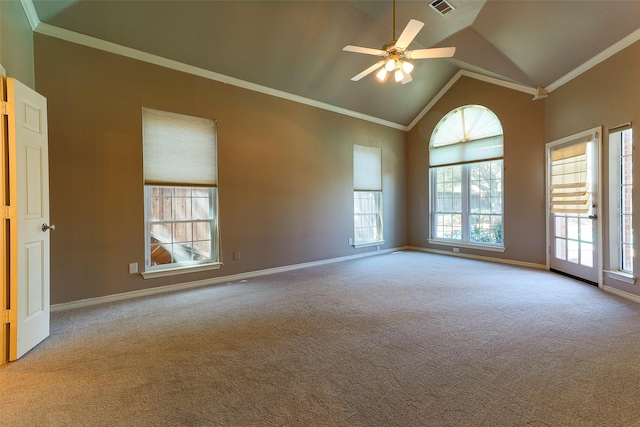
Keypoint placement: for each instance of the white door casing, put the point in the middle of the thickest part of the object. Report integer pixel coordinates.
(29, 198)
(574, 240)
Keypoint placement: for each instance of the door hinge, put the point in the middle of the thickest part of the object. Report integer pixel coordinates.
(9, 212)
(8, 316)
(7, 108)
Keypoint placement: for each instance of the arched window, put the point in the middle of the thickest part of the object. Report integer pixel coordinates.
(465, 159)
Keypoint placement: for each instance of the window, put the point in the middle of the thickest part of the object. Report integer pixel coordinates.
(466, 167)
(367, 195)
(180, 180)
(620, 202)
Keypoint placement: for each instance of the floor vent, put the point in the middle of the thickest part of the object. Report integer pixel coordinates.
(442, 6)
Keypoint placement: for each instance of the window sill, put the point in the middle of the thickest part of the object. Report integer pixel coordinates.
(367, 244)
(180, 270)
(621, 276)
(492, 248)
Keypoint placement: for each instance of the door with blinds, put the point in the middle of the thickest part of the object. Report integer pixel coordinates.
(573, 205)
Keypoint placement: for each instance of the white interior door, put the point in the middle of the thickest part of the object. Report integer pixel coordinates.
(573, 205)
(29, 232)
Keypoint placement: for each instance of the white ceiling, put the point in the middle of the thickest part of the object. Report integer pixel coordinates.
(295, 47)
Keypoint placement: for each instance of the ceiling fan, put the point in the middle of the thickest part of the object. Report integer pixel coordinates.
(394, 54)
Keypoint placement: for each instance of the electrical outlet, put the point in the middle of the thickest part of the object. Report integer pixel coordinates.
(133, 267)
(456, 249)
(350, 241)
(236, 255)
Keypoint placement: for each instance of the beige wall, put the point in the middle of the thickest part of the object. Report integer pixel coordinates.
(285, 171)
(607, 95)
(524, 192)
(285, 168)
(16, 42)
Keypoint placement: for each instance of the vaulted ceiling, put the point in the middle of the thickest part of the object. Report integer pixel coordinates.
(295, 47)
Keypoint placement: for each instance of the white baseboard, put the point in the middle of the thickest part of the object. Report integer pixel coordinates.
(623, 294)
(208, 282)
(481, 257)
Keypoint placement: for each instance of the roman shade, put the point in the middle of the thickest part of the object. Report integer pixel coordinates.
(569, 187)
(179, 150)
(367, 168)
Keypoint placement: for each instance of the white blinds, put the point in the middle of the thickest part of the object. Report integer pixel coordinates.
(367, 168)
(569, 187)
(179, 149)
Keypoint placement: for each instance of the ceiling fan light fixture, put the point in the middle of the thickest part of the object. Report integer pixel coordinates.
(390, 65)
(407, 67)
(399, 75)
(382, 74)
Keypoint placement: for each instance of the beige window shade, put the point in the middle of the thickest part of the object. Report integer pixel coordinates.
(367, 168)
(490, 148)
(467, 134)
(569, 180)
(179, 149)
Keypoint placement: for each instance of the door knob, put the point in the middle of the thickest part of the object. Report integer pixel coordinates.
(593, 216)
(46, 227)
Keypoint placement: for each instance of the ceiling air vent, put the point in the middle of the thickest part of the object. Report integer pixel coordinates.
(442, 6)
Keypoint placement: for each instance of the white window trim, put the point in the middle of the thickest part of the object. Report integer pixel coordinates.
(162, 270)
(621, 276)
(614, 211)
(367, 244)
(174, 271)
(465, 217)
(459, 244)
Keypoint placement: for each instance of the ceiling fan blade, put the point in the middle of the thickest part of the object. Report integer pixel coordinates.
(438, 52)
(407, 79)
(366, 50)
(409, 33)
(367, 71)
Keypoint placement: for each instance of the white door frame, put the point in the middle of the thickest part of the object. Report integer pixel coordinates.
(596, 132)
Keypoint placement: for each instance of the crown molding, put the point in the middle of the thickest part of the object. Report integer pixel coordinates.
(74, 37)
(605, 54)
(32, 14)
(480, 77)
(96, 43)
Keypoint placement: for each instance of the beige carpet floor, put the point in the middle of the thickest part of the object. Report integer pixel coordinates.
(405, 339)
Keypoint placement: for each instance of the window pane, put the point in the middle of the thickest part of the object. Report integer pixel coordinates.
(367, 218)
(161, 233)
(586, 254)
(561, 249)
(449, 226)
(572, 228)
(573, 251)
(560, 225)
(202, 250)
(486, 229)
(626, 202)
(161, 254)
(174, 235)
(482, 188)
(586, 230)
(182, 232)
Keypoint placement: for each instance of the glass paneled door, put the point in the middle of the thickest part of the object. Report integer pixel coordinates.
(572, 200)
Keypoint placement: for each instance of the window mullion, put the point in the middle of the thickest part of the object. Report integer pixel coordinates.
(466, 211)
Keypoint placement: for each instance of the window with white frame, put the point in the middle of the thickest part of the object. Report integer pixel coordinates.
(466, 171)
(180, 190)
(367, 195)
(620, 200)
